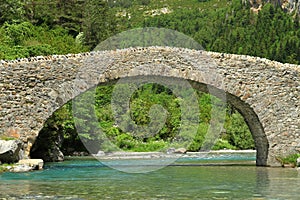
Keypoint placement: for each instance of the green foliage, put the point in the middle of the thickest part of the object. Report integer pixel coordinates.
(98, 129)
(125, 141)
(144, 2)
(2, 168)
(223, 144)
(217, 25)
(18, 32)
(152, 145)
(235, 29)
(11, 11)
(58, 131)
(26, 40)
(199, 138)
(98, 22)
(127, 3)
(237, 132)
(66, 14)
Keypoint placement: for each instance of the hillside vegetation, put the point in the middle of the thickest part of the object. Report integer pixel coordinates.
(38, 27)
(235, 135)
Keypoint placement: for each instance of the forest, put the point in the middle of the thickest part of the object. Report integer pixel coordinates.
(37, 27)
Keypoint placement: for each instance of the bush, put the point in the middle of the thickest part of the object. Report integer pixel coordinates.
(17, 33)
(199, 138)
(125, 141)
(26, 40)
(144, 2)
(223, 144)
(150, 146)
(237, 132)
(43, 49)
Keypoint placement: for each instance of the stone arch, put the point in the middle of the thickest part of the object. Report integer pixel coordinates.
(265, 92)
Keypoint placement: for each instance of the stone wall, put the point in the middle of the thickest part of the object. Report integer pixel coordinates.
(264, 91)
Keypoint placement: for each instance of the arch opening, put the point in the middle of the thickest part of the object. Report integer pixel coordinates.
(260, 139)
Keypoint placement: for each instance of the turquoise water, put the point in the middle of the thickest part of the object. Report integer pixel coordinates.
(188, 178)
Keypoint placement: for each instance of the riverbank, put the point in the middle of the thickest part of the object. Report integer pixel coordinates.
(222, 154)
(149, 155)
(219, 157)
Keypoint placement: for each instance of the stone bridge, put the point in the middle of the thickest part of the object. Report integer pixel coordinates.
(265, 92)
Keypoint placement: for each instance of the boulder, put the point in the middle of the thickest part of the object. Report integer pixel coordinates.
(10, 151)
(100, 153)
(177, 151)
(171, 150)
(298, 162)
(56, 155)
(180, 151)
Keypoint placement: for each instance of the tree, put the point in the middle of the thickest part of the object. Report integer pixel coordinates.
(98, 22)
(11, 11)
(65, 13)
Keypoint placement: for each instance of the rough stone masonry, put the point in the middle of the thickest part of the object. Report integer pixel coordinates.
(265, 92)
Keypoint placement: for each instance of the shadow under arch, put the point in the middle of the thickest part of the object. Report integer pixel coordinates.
(50, 143)
(250, 117)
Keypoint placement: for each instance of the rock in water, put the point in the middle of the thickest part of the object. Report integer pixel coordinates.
(10, 151)
(56, 154)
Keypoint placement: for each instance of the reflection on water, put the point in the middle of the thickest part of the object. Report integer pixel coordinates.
(89, 179)
(278, 183)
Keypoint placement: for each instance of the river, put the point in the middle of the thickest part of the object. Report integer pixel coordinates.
(187, 178)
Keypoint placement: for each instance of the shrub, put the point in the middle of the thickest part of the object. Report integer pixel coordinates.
(223, 144)
(238, 133)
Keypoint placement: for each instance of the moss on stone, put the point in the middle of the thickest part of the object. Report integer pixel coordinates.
(6, 138)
